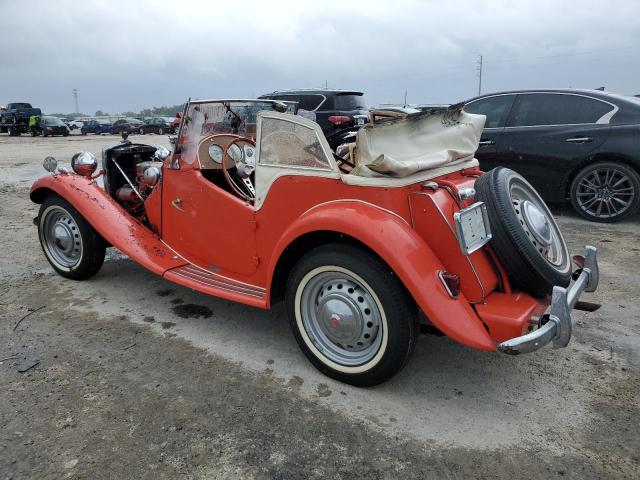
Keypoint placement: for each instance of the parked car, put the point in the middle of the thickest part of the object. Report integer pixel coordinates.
(355, 256)
(96, 126)
(157, 125)
(129, 125)
(14, 118)
(338, 112)
(53, 126)
(580, 145)
(75, 124)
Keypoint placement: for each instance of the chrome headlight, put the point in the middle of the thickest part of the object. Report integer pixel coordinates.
(162, 153)
(84, 163)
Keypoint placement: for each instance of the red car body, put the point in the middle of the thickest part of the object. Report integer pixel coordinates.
(202, 236)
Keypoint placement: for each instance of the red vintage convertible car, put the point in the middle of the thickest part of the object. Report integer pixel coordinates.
(398, 230)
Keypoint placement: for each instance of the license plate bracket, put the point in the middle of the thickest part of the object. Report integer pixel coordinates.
(472, 227)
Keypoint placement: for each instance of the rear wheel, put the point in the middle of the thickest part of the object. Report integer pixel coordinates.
(606, 192)
(141, 131)
(350, 314)
(74, 249)
(526, 238)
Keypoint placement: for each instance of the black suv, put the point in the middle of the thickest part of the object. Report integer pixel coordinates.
(582, 145)
(338, 112)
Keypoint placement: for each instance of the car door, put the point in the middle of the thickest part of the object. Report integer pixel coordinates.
(548, 134)
(491, 149)
(205, 224)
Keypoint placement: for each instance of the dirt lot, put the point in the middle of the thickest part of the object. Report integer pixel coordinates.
(140, 378)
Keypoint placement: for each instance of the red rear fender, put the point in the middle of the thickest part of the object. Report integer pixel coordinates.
(406, 253)
(109, 219)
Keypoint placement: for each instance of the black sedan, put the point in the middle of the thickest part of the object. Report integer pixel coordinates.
(129, 125)
(580, 145)
(53, 126)
(156, 125)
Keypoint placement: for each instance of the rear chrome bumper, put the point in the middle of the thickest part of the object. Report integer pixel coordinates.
(557, 329)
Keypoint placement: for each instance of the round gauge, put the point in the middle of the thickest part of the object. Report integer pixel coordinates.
(215, 152)
(249, 155)
(235, 153)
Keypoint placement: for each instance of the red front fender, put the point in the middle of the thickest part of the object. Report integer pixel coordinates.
(109, 219)
(391, 237)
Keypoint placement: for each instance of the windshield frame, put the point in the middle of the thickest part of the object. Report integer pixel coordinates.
(181, 140)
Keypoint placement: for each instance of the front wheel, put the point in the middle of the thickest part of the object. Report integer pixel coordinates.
(74, 249)
(161, 131)
(141, 131)
(350, 314)
(606, 192)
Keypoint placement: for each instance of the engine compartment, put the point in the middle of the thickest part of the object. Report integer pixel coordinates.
(131, 173)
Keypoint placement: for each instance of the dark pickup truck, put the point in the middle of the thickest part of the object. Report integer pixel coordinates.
(15, 117)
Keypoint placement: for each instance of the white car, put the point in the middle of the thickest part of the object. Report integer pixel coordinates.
(74, 124)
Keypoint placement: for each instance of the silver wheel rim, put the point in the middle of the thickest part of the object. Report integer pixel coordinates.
(605, 192)
(341, 318)
(62, 238)
(538, 224)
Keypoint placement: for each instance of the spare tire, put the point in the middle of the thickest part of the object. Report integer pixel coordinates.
(526, 238)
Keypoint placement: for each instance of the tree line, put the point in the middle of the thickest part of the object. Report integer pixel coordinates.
(163, 111)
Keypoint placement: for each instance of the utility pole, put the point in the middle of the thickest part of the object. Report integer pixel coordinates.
(405, 97)
(480, 75)
(75, 96)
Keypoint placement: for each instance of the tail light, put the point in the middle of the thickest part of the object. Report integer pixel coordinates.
(339, 119)
(451, 283)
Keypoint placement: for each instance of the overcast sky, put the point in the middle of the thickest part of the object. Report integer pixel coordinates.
(128, 55)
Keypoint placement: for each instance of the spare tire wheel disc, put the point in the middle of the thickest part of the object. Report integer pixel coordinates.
(526, 238)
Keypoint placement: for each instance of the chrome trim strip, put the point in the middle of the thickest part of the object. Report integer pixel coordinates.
(558, 327)
(196, 272)
(219, 286)
(342, 200)
(204, 269)
(471, 264)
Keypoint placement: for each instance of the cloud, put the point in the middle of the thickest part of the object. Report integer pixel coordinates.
(130, 55)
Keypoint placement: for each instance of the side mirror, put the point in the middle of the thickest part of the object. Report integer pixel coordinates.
(50, 164)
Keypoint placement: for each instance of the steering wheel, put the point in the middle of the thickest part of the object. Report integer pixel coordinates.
(245, 162)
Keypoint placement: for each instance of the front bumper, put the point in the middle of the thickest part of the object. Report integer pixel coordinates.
(557, 328)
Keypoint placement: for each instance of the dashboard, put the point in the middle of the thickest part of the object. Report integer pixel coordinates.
(211, 150)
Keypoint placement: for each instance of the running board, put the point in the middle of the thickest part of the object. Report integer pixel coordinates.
(210, 283)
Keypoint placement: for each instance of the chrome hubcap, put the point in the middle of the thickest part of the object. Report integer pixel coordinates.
(538, 224)
(341, 318)
(62, 238)
(605, 193)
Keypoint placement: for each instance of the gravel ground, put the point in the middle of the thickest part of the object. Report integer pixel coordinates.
(135, 377)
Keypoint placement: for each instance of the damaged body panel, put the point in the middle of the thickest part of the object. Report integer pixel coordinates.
(254, 206)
